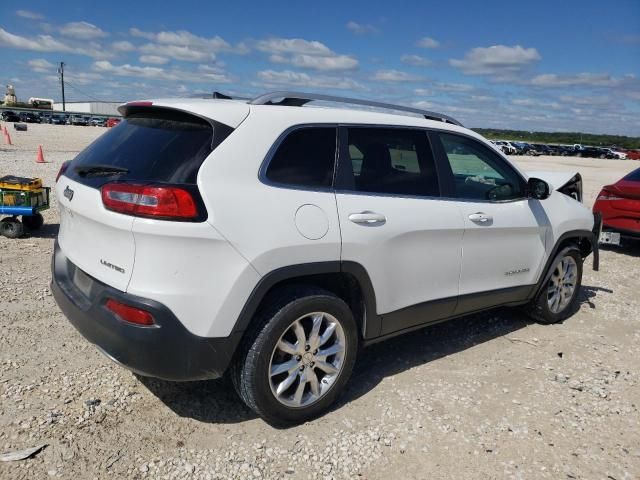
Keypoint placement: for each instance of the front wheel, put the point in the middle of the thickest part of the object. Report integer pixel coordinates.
(297, 359)
(559, 296)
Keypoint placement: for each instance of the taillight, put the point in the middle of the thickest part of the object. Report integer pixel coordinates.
(162, 202)
(608, 195)
(63, 168)
(129, 314)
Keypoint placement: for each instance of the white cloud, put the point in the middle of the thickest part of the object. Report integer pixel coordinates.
(82, 31)
(39, 43)
(154, 59)
(40, 65)
(47, 43)
(294, 45)
(184, 38)
(329, 63)
(30, 15)
(270, 78)
(395, 76)
(309, 54)
(423, 92)
(498, 60)
(415, 60)
(453, 87)
(428, 42)
(580, 79)
(158, 73)
(123, 46)
(178, 52)
(361, 28)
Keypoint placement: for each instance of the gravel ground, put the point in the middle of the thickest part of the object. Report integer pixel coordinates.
(487, 396)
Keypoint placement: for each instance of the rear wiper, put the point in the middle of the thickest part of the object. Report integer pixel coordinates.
(99, 170)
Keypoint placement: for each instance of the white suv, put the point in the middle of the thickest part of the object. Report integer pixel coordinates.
(273, 240)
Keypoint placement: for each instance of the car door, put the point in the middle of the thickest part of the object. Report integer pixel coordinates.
(504, 236)
(394, 223)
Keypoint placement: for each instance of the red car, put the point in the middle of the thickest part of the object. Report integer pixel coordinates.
(112, 122)
(619, 205)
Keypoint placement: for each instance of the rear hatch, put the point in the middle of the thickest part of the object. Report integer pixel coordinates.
(158, 148)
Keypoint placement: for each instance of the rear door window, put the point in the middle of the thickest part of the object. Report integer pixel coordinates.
(392, 161)
(157, 145)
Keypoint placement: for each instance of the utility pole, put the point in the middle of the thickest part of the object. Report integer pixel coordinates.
(61, 72)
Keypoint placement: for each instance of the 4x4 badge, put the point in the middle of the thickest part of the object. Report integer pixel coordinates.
(68, 193)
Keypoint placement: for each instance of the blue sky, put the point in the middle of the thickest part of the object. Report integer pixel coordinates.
(545, 65)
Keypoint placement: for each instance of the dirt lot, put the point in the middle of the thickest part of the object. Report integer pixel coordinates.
(488, 396)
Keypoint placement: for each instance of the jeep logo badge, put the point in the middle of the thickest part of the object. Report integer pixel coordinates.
(68, 193)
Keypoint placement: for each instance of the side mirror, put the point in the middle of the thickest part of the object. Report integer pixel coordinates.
(538, 189)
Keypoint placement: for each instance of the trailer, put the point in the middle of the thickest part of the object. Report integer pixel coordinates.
(25, 198)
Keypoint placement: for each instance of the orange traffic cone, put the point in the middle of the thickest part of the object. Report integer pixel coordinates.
(40, 157)
(7, 139)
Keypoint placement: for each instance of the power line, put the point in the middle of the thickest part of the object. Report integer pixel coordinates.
(83, 92)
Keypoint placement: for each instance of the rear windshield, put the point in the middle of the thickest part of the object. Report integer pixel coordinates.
(156, 145)
(634, 176)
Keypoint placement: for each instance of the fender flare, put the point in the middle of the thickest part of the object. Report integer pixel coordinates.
(371, 320)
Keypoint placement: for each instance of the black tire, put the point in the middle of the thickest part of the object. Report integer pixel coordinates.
(603, 156)
(250, 371)
(11, 228)
(539, 309)
(33, 222)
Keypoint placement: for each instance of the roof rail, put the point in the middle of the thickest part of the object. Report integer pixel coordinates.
(298, 99)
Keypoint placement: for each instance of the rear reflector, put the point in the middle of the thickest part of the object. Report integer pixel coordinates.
(129, 314)
(162, 202)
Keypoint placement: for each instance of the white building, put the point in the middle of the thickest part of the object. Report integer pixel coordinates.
(95, 108)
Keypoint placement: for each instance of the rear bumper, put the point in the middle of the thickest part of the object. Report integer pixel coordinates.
(166, 350)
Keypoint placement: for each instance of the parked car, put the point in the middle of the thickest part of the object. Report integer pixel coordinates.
(78, 120)
(153, 266)
(543, 149)
(619, 205)
(632, 154)
(45, 117)
(112, 122)
(30, 117)
(525, 148)
(505, 147)
(58, 119)
(10, 116)
(98, 121)
(561, 150)
(590, 152)
(613, 153)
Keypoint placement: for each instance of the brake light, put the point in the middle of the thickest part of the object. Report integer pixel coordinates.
(129, 314)
(608, 195)
(139, 104)
(164, 202)
(63, 168)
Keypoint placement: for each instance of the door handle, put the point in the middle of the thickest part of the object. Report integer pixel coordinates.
(480, 217)
(367, 218)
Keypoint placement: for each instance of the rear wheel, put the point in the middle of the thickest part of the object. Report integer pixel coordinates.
(298, 358)
(33, 222)
(559, 296)
(11, 228)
